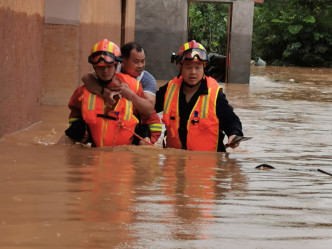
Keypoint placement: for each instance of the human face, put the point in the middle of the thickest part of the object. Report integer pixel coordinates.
(135, 64)
(106, 72)
(192, 72)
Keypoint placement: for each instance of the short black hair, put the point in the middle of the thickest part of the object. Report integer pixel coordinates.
(126, 49)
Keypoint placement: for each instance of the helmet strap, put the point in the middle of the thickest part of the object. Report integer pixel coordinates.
(179, 75)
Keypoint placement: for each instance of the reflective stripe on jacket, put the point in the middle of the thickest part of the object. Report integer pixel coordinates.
(115, 127)
(203, 123)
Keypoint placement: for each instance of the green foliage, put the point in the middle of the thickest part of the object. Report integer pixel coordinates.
(208, 25)
(293, 32)
(286, 32)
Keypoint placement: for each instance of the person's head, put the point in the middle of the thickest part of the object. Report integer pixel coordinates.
(191, 60)
(104, 57)
(133, 59)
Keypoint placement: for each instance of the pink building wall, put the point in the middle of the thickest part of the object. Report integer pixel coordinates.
(21, 63)
(44, 50)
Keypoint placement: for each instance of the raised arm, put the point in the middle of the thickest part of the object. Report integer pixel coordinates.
(150, 97)
(142, 105)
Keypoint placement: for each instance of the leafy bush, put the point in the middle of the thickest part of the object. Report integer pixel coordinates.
(293, 32)
(285, 32)
(208, 25)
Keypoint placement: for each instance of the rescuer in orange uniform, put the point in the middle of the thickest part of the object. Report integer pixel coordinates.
(133, 64)
(196, 112)
(117, 120)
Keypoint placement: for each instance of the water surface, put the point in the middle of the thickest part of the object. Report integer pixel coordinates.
(147, 197)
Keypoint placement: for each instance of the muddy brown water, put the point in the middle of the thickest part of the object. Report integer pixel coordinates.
(147, 197)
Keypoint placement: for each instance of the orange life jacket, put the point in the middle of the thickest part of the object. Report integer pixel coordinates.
(115, 127)
(203, 123)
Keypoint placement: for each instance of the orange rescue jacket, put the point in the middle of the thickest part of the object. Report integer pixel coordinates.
(203, 123)
(115, 127)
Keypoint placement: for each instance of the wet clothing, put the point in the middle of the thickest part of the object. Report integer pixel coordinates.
(87, 127)
(148, 82)
(202, 119)
(228, 122)
(105, 126)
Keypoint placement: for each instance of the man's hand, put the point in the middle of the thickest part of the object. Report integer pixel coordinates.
(141, 104)
(123, 90)
(230, 144)
(109, 97)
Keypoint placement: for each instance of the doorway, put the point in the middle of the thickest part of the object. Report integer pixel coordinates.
(210, 24)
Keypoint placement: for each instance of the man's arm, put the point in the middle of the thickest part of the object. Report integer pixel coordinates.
(76, 132)
(91, 83)
(142, 105)
(160, 96)
(155, 126)
(149, 85)
(230, 122)
(151, 97)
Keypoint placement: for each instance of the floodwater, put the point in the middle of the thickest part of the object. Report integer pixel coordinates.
(147, 197)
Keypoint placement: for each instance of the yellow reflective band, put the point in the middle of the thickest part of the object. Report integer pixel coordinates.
(186, 46)
(201, 47)
(169, 96)
(72, 120)
(215, 100)
(155, 127)
(205, 104)
(128, 106)
(104, 132)
(91, 102)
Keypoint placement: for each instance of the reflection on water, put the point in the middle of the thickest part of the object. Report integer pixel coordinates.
(144, 197)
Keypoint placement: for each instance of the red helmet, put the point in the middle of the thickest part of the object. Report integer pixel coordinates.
(105, 53)
(190, 51)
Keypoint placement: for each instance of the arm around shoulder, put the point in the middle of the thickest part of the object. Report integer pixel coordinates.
(90, 81)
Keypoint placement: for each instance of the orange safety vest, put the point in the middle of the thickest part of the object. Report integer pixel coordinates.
(115, 127)
(203, 123)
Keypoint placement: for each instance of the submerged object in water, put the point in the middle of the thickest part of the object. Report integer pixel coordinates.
(259, 62)
(264, 166)
(324, 172)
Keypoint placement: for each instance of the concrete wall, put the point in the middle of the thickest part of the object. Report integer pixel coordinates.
(104, 19)
(162, 27)
(21, 63)
(69, 39)
(241, 41)
(95, 27)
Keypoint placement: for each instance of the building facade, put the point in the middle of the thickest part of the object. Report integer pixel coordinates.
(44, 49)
(162, 27)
